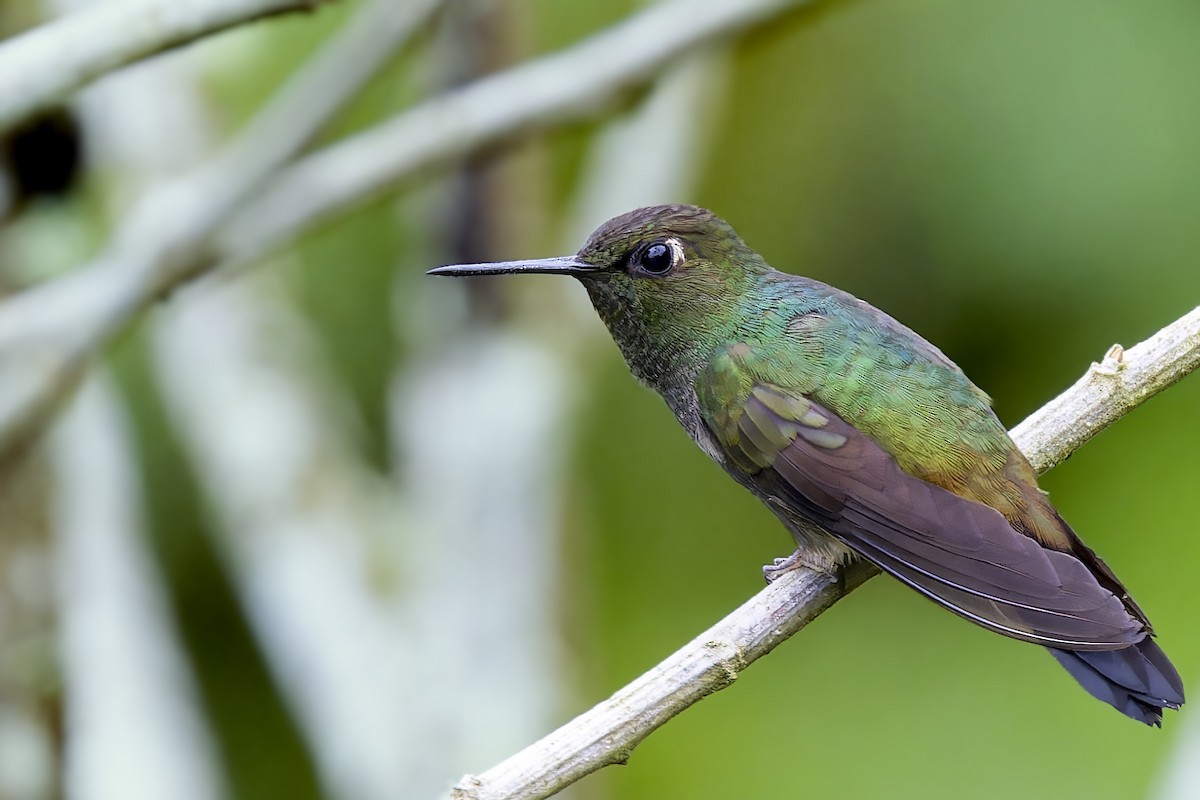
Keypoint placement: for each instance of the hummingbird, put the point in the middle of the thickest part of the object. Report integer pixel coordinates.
(863, 439)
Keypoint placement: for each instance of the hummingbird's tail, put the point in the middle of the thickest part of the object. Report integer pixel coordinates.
(1139, 681)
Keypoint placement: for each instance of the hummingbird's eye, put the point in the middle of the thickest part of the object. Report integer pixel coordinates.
(658, 258)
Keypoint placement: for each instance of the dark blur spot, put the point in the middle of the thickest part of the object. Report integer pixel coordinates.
(43, 155)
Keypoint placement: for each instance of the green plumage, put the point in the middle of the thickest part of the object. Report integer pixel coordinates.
(863, 438)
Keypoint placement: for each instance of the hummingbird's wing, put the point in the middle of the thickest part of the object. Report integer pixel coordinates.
(963, 554)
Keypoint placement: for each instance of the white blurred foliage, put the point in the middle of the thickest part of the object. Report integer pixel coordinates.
(300, 522)
(1180, 776)
(26, 756)
(133, 720)
(295, 526)
(134, 732)
(480, 434)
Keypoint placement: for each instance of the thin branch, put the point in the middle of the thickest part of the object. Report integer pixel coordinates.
(42, 66)
(565, 87)
(506, 396)
(608, 732)
(296, 514)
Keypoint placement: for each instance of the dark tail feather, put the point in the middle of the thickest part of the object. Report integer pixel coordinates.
(1138, 681)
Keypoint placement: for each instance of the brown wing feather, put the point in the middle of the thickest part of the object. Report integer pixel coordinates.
(963, 554)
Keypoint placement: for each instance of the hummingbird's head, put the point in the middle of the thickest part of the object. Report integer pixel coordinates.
(674, 262)
(668, 281)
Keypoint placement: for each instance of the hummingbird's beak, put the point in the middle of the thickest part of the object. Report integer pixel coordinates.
(563, 265)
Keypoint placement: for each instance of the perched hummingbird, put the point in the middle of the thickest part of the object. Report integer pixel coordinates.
(862, 437)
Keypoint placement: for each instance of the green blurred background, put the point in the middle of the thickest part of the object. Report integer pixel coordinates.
(1019, 182)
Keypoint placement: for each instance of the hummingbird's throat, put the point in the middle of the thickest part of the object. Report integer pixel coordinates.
(656, 358)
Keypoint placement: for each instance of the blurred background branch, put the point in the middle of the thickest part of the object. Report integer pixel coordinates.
(47, 335)
(576, 84)
(38, 68)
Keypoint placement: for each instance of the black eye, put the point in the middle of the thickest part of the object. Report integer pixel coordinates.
(657, 259)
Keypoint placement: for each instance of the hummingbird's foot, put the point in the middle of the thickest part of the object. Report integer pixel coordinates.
(801, 559)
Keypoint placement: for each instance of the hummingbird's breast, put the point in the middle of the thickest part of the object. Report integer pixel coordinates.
(670, 364)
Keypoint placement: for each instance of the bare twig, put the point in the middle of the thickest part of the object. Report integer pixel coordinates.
(608, 732)
(40, 67)
(1123, 380)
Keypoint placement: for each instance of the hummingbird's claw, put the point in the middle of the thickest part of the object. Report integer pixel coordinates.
(801, 559)
(779, 566)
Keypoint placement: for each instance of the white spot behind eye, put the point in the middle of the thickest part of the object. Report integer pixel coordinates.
(676, 251)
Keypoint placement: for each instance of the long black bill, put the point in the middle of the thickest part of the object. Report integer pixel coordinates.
(564, 265)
